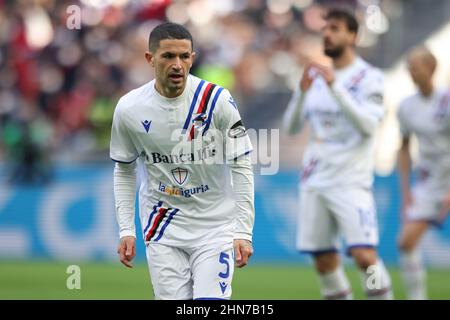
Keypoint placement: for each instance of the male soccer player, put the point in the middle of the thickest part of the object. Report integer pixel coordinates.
(180, 128)
(427, 115)
(343, 106)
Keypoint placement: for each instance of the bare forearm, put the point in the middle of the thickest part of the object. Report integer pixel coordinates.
(404, 167)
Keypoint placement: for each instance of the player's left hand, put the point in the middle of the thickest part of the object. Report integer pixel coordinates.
(243, 250)
(326, 72)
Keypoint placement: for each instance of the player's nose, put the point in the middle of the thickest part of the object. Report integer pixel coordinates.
(177, 64)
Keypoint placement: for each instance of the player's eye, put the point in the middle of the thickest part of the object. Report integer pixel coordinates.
(168, 55)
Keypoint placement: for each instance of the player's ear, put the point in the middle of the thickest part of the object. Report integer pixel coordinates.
(354, 38)
(149, 57)
(193, 55)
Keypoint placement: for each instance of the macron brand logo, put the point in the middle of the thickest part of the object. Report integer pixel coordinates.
(223, 287)
(146, 125)
(231, 101)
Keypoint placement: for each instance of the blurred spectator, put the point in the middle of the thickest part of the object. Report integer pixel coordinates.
(26, 138)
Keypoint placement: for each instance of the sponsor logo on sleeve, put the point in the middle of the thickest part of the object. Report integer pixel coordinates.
(237, 130)
(233, 103)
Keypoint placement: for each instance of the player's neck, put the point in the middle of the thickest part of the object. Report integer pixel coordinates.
(345, 59)
(167, 92)
(426, 89)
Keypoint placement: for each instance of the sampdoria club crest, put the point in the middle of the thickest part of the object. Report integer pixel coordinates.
(180, 175)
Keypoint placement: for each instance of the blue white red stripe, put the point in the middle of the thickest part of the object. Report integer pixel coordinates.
(193, 103)
(161, 232)
(357, 79)
(202, 107)
(156, 223)
(155, 209)
(213, 105)
(201, 102)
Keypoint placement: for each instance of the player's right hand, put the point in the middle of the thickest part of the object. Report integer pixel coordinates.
(307, 78)
(326, 72)
(127, 250)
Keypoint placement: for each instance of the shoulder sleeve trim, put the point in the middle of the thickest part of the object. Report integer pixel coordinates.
(124, 162)
(210, 114)
(193, 103)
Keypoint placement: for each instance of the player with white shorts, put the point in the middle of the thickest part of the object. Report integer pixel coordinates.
(343, 106)
(187, 137)
(426, 115)
(202, 272)
(429, 191)
(326, 216)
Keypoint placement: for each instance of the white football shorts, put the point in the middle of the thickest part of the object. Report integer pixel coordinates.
(326, 215)
(427, 205)
(199, 273)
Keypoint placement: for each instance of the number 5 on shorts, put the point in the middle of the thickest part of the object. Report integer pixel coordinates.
(224, 257)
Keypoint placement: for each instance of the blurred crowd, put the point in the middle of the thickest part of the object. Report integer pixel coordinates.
(64, 64)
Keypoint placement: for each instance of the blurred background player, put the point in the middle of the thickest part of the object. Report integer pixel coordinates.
(190, 224)
(425, 114)
(343, 106)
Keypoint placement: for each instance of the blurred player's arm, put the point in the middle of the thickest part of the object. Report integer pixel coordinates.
(404, 161)
(123, 152)
(404, 168)
(367, 113)
(446, 201)
(293, 116)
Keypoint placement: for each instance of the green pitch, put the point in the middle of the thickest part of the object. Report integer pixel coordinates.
(47, 280)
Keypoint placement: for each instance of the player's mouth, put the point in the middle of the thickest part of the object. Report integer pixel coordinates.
(176, 77)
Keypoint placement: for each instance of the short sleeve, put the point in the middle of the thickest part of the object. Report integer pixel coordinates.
(237, 141)
(122, 148)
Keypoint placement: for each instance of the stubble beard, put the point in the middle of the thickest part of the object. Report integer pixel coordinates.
(334, 52)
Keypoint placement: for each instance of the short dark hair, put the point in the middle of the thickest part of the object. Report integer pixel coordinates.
(343, 15)
(168, 30)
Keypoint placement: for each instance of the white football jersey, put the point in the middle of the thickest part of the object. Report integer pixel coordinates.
(429, 120)
(338, 154)
(181, 144)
